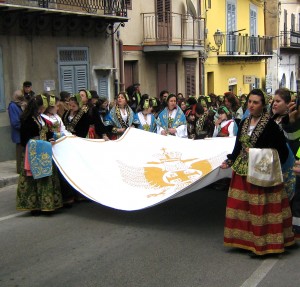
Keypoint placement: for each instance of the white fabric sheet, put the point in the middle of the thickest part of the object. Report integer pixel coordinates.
(141, 169)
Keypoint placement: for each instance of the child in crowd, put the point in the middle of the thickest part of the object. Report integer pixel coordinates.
(225, 126)
(190, 118)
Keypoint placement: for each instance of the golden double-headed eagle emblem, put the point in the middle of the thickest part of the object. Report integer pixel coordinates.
(168, 172)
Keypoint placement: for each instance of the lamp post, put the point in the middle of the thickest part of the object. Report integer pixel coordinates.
(218, 38)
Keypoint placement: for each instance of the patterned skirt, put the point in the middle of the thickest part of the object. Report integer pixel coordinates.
(38, 194)
(257, 218)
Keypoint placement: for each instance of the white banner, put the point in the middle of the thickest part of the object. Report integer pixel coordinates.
(141, 169)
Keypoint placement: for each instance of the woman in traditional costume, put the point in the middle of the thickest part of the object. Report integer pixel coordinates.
(76, 119)
(120, 117)
(87, 106)
(280, 110)
(258, 216)
(77, 122)
(38, 187)
(171, 120)
(52, 119)
(225, 126)
(63, 104)
(182, 104)
(100, 111)
(232, 104)
(145, 115)
(204, 126)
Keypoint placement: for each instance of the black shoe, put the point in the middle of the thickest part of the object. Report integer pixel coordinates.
(35, 212)
(48, 213)
(68, 205)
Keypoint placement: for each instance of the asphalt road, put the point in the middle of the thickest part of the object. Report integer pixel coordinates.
(178, 243)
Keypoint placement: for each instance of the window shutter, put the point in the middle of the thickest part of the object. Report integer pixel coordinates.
(103, 87)
(160, 10)
(80, 77)
(128, 4)
(293, 22)
(73, 66)
(190, 77)
(67, 78)
(168, 5)
(2, 96)
(253, 23)
(231, 21)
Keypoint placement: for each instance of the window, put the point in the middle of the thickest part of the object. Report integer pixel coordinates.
(209, 4)
(128, 4)
(73, 69)
(253, 29)
(253, 20)
(293, 22)
(282, 83)
(2, 96)
(292, 82)
(131, 73)
(285, 21)
(285, 28)
(231, 16)
(298, 68)
(231, 26)
(103, 83)
(190, 76)
(163, 8)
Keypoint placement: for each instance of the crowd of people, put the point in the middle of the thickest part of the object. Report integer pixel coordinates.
(259, 212)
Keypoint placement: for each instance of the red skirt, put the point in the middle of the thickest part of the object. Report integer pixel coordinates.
(258, 218)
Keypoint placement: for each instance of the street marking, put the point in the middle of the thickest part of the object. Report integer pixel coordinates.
(260, 273)
(11, 216)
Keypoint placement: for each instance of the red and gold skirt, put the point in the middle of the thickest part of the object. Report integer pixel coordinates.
(258, 218)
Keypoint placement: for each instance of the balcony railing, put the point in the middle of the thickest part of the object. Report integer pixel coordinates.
(290, 39)
(106, 7)
(239, 44)
(170, 28)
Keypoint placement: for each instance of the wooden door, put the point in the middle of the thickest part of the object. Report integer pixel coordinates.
(167, 77)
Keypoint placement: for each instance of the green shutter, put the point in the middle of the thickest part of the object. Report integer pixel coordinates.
(67, 79)
(80, 77)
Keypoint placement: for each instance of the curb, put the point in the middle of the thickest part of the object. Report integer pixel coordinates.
(9, 181)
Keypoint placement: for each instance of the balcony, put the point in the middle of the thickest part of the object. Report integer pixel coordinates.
(170, 31)
(290, 40)
(236, 47)
(61, 17)
(110, 9)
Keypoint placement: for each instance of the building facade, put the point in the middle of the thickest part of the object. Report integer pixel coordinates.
(161, 46)
(283, 21)
(236, 48)
(57, 45)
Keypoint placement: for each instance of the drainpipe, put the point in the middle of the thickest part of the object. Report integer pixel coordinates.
(121, 64)
(115, 74)
(201, 63)
(265, 32)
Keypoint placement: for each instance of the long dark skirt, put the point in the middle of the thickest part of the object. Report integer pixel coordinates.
(38, 194)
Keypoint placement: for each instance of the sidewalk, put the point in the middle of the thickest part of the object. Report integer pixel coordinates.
(8, 174)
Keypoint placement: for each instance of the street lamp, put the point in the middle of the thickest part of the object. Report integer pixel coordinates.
(218, 38)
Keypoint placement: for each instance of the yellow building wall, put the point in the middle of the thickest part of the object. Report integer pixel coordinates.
(223, 72)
